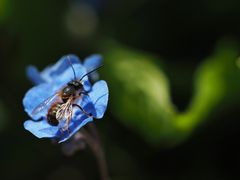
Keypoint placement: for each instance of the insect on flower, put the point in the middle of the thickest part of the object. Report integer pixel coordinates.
(62, 108)
(63, 99)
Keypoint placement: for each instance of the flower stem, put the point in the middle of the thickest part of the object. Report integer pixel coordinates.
(93, 140)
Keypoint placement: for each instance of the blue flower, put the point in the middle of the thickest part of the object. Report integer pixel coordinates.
(52, 80)
(52, 72)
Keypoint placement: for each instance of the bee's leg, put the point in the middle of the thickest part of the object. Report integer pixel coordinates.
(79, 95)
(86, 113)
(84, 93)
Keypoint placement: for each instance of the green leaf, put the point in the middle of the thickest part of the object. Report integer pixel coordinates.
(139, 92)
(217, 83)
(140, 95)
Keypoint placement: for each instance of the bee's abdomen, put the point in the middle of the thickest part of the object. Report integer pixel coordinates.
(52, 120)
(52, 112)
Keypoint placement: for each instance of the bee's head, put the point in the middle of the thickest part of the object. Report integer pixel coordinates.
(76, 84)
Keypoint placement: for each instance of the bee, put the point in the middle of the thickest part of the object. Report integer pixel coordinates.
(62, 102)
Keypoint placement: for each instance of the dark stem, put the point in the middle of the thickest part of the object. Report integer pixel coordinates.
(93, 140)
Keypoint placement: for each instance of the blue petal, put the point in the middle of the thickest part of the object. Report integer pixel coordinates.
(41, 129)
(87, 85)
(86, 103)
(67, 76)
(99, 97)
(35, 96)
(52, 72)
(91, 63)
(34, 75)
(75, 125)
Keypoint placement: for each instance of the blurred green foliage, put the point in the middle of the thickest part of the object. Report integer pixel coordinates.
(4, 9)
(216, 85)
(139, 92)
(140, 95)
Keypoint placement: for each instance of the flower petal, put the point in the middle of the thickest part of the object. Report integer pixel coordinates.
(67, 76)
(91, 63)
(34, 75)
(35, 96)
(41, 129)
(87, 85)
(86, 103)
(52, 72)
(99, 98)
(75, 125)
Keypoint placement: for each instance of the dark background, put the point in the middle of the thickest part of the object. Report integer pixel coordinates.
(182, 32)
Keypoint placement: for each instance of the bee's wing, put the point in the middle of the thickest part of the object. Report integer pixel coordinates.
(44, 104)
(65, 110)
(65, 113)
